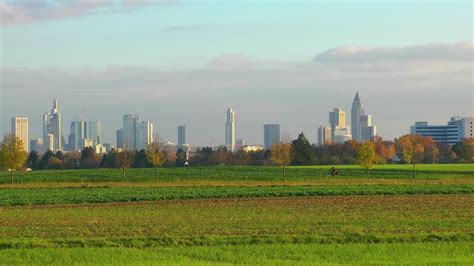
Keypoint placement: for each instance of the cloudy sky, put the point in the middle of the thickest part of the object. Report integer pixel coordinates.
(185, 62)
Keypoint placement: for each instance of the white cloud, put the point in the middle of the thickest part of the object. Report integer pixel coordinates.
(432, 52)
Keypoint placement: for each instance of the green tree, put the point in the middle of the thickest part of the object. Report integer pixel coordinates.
(12, 154)
(366, 156)
(412, 150)
(302, 152)
(33, 160)
(281, 155)
(156, 155)
(464, 150)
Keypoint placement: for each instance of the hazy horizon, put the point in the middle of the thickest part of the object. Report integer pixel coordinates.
(184, 63)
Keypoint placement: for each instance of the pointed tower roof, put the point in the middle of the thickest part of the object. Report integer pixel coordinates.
(356, 98)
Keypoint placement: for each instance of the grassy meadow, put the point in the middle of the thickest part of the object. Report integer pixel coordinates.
(239, 215)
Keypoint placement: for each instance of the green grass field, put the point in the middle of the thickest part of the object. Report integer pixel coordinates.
(236, 215)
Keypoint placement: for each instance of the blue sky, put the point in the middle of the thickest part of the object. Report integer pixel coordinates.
(218, 51)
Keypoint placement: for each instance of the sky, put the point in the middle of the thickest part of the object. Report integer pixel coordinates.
(186, 62)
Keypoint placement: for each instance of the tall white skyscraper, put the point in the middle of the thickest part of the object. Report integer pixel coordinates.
(271, 134)
(52, 125)
(20, 130)
(356, 113)
(230, 130)
(146, 131)
(131, 132)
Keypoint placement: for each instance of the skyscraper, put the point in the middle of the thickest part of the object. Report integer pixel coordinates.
(356, 113)
(230, 130)
(324, 135)
(271, 134)
(181, 136)
(337, 119)
(20, 130)
(146, 133)
(77, 136)
(120, 138)
(131, 132)
(52, 125)
(362, 128)
(94, 132)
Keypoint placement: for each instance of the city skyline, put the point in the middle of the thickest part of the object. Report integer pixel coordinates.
(177, 63)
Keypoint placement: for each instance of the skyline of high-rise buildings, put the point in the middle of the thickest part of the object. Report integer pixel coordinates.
(136, 134)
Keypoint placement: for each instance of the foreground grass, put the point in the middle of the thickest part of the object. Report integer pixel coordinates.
(40, 196)
(439, 253)
(347, 219)
(239, 173)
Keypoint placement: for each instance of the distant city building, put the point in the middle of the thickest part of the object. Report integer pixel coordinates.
(20, 130)
(131, 132)
(49, 143)
(120, 138)
(361, 124)
(37, 145)
(181, 136)
(337, 119)
(252, 148)
(342, 135)
(453, 132)
(368, 131)
(271, 135)
(94, 132)
(52, 126)
(230, 130)
(84, 134)
(324, 135)
(146, 133)
(239, 144)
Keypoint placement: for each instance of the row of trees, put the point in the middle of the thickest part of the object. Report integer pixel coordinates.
(409, 149)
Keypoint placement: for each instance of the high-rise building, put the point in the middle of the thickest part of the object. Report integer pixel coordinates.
(368, 131)
(271, 134)
(337, 119)
(52, 125)
(181, 136)
(146, 132)
(37, 145)
(120, 138)
(362, 128)
(324, 135)
(77, 136)
(131, 136)
(239, 144)
(49, 143)
(454, 131)
(20, 130)
(94, 132)
(230, 130)
(356, 112)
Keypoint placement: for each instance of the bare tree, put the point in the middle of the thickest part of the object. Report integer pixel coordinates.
(12, 154)
(281, 155)
(124, 160)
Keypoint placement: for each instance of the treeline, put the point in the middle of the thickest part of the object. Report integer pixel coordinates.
(406, 149)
